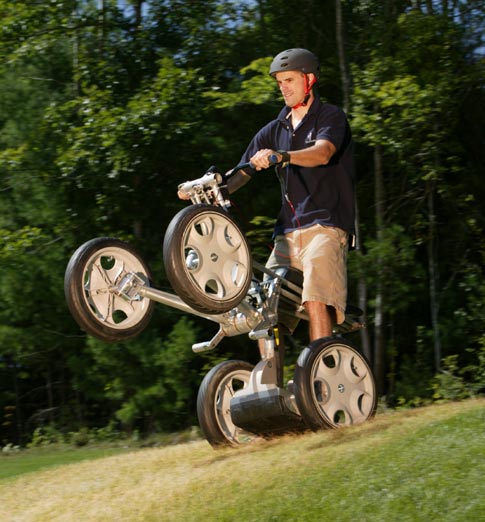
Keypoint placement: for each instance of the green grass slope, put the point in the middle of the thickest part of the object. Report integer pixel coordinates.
(418, 465)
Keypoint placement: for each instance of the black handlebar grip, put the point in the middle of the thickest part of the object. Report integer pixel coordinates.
(273, 159)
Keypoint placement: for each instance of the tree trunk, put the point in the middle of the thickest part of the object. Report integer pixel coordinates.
(263, 30)
(346, 83)
(379, 347)
(344, 75)
(18, 407)
(50, 395)
(138, 13)
(362, 290)
(101, 24)
(75, 53)
(433, 276)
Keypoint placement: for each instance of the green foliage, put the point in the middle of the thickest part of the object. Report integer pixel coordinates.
(449, 384)
(388, 111)
(454, 382)
(115, 139)
(45, 436)
(48, 436)
(257, 88)
(413, 385)
(475, 371)
(151, 379)
(391, 259)
(262, 229)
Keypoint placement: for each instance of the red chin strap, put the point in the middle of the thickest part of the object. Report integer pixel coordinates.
(308, 87)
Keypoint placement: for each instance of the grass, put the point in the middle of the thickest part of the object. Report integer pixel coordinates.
(16, 463)
(28, 461)
(418, 465)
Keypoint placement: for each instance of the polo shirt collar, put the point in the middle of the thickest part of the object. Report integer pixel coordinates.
(285, 111)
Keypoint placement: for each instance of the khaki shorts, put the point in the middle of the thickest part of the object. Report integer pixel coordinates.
(321, 254)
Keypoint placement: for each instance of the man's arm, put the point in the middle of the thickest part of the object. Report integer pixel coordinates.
(314, 156)
(318, 154)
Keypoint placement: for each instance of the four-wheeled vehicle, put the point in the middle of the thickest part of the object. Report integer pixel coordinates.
(209, 265)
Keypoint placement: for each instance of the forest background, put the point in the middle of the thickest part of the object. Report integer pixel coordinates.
(105, 106)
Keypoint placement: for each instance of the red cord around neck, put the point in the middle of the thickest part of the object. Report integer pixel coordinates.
(308, 88)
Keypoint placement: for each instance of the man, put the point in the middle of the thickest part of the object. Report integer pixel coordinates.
(312, 143)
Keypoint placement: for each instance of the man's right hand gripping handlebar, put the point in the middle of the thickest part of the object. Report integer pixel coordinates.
(266, 158)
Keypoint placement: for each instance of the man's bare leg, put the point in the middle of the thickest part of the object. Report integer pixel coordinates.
(321, 319)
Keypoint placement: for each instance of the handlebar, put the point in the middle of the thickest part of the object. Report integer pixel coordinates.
(273, 161)
(242, 166)
(211, 187)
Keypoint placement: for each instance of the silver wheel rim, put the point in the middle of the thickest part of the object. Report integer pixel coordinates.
(233, 382)
(216, 256)
(342, 386)
(103, 272)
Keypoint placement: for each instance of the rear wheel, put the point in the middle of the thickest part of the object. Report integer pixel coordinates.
(213, 403)
(334, 385)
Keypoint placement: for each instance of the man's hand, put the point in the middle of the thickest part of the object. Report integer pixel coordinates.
(261, 159)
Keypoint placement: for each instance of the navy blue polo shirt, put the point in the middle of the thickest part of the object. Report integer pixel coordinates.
(322, 194)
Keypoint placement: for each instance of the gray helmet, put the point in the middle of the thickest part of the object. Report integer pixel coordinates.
(295, 60)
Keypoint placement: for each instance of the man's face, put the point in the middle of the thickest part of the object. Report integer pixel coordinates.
(292, 86)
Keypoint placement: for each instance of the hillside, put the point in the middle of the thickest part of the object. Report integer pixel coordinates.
(417, 465)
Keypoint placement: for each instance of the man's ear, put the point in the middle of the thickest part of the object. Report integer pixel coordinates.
(312, 79)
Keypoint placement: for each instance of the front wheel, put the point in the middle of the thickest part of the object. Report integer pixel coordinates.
(207, 259)
(92, 275)
(213, 403)
(334, 385)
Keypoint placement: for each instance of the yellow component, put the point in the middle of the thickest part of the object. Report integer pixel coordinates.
(276, 336)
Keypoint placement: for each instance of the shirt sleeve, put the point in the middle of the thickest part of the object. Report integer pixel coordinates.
(261, 140)
(332, 125)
